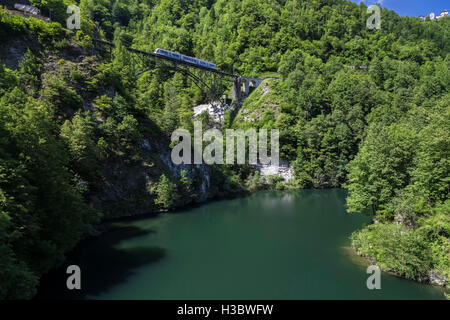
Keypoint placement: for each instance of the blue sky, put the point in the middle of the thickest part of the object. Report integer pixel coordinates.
(412, 7)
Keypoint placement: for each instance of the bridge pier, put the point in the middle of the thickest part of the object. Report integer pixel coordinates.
(246, 86)
(241, 86)
(236, 91)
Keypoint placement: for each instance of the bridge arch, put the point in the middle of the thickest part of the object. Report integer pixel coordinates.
(211, 81)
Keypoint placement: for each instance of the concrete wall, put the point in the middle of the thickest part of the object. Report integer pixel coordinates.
(242, 85)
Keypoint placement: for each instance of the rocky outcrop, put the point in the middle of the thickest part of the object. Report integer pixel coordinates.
(437, 279)
(283, 169)
(13, 49)
(201, 171)
(214, 110)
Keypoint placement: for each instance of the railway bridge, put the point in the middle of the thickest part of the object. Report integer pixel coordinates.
(212, 81)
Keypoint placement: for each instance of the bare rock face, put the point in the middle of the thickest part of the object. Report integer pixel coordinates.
(282, 169)
(13, 49)
(215, 110)
(265, 89)
(437, 279)
(193, 170)
(403, 219)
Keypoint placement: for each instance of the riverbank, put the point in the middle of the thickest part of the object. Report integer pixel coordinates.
(359, 259)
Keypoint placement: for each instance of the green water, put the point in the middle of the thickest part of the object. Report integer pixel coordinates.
(270, 245)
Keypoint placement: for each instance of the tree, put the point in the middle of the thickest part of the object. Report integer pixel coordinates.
(380, 168)
(80, 137)
(165, 193)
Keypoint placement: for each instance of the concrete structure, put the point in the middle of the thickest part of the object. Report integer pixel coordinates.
(243, 85)
(236, 90)
(207, 79)
(432, 16)
(248, 83)
(443, 14)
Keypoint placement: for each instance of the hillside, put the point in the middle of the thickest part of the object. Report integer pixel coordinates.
(84, 139)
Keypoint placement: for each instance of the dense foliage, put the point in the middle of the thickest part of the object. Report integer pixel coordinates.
(81, 137)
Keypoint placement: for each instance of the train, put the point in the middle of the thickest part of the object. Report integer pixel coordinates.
(27, 8)
(181, 57)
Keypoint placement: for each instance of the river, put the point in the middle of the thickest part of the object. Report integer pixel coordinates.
(269, 245)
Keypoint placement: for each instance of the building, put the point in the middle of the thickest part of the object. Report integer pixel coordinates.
(443, 14)
(432, 16)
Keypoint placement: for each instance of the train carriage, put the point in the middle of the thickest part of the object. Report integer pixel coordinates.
(190, 60)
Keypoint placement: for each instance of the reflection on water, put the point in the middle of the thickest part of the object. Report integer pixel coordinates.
(103, 264)
(270, 245)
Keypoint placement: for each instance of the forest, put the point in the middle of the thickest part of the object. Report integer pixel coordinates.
(366, 110)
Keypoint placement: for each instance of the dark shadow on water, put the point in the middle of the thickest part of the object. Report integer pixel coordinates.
(102, 264)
